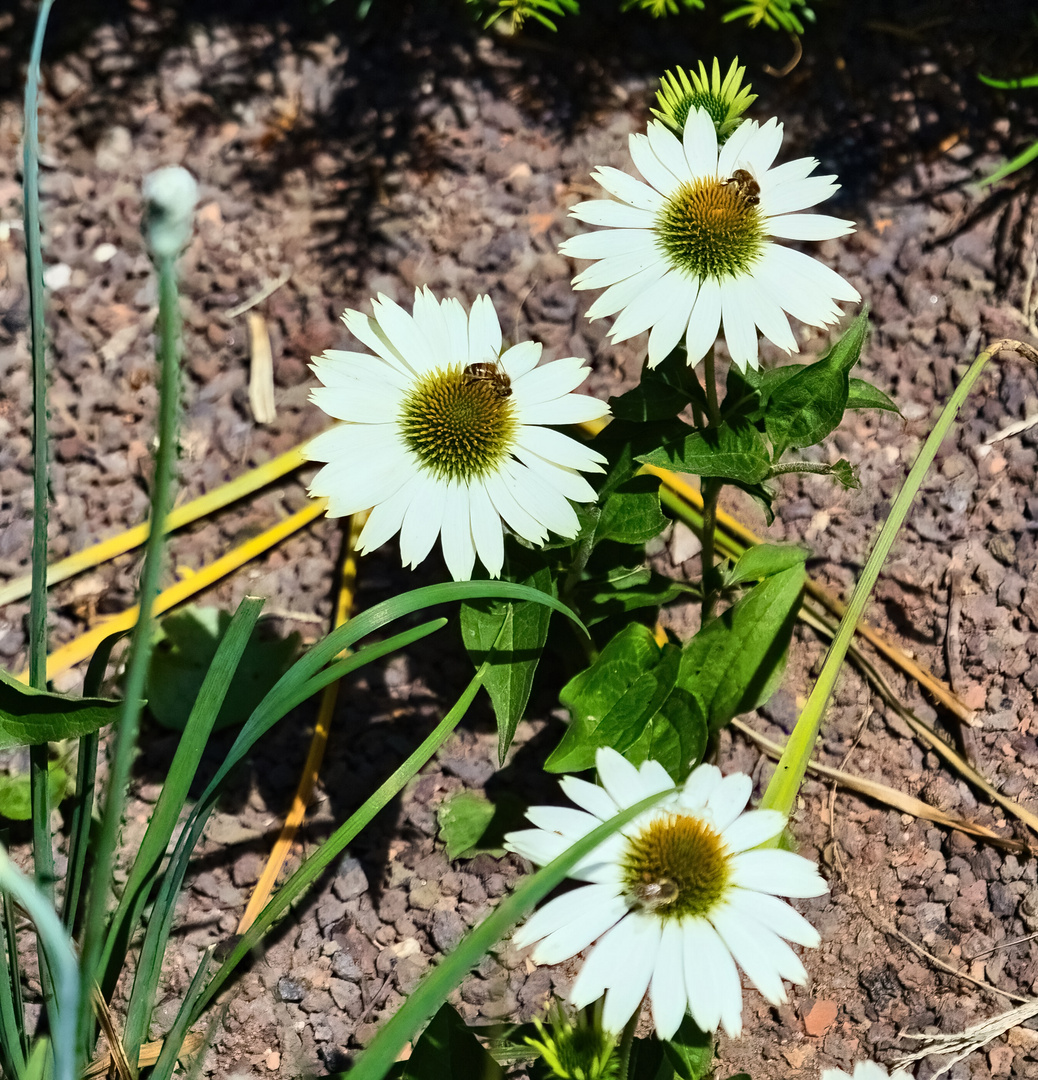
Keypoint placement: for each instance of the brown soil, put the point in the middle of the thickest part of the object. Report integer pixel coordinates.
(413, 149)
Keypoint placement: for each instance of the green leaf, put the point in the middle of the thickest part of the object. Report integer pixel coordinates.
(765, 560)
(863, 395)
(627, 700)
(624, 589)
(631, 514)
(511, 635)
(662, 393)
(734, 663)
(448, 1050)
(731, 452)
(471, 825)
(185, 645)
(648, 1061)
(690, 1051)
(29, 716)
(16, 796)
(805, 407)
(846, 474)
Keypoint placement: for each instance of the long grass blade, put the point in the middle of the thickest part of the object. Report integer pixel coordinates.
(173, 1043)
(785, 783)
(316, 864)
(13, 1044)
(171, 802)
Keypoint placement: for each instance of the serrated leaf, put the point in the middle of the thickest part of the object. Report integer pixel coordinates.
(735, 662)
(625, 589)
(16, 792)
(30, 717)
(662, 392)
(471, 824)
(185, 645)
(802, 409)
(846, 474)
(511, 634)
(735, 453)
(624, 701)
(863, 395)
(631, 513)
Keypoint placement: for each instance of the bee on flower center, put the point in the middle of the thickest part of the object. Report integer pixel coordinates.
(745, 186)
(654, 894)
(488, 372)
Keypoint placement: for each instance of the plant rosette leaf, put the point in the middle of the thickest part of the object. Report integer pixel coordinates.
(690, 1051)
(447, 1048)
(16, 792)
(185, 645)
(803, 408)
(511, 635)
(628, 700)
(734, 452)
(30, 717)
(735, 662)
(471, 824)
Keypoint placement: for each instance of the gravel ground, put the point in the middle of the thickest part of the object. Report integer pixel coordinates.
(381, 156)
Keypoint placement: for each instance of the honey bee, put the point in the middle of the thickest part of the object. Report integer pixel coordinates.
(488, 372)
(745, 186)
(652, 895)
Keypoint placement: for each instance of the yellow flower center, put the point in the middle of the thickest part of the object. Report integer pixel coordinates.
(713, 228)
(676, 866)
(461, 423)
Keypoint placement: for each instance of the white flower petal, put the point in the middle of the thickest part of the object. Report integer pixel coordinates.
(667, 989)
(611, 243)
(459, 552)
(386, 517)
(564, 820)
(640, 937)
(560, 449)
(484, 332)
(538, 846)
(775, 914)
(628, 188)
(619, 777)
(546, 506)
(700, 785)
(700, 144)
(786, 198)
(623, 292)
(422, 522)
(712, 982)
(705, 321)
(667, 148)
(618, 268)
(740, 331)
(764, 956)
(487, 536)
(571, 409)
(567, 482)
(752, 828)
(405, 337)
(609, 212)
(589, 797)
(728, 800)
(366, 402)
(548, 382)
(778, 872)
(564, 910)
(520, 359)
(593, 921)
(808, 227)
(650, 166)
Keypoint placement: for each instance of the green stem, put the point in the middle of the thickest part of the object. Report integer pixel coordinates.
(39, 790)
(710, 380)
(711, 493)
(623, 1051)
(140, 646)
(792, 766)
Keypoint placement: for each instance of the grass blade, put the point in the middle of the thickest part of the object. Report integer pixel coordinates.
(164, 819)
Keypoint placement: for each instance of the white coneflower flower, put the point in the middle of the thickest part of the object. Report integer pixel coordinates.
(866, 1070)
(443, 433)
(692, 245)
(677, 898)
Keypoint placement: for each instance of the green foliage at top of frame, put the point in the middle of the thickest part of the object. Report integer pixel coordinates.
(788, 15)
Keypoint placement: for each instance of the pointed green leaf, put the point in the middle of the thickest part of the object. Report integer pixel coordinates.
(626, 700)
(16, 797)
(448, 1050)
(471, 824)
(29, 716)
(736, 453)
(631, 513)
(511, 634)
(863, 395)
(803, 408)
(625, 589)
(846, 474)
(690, 1051)
(735, 662)
(765, 560)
